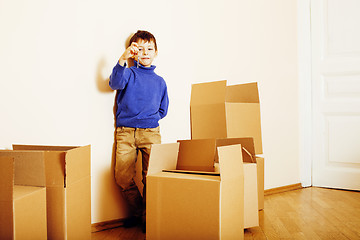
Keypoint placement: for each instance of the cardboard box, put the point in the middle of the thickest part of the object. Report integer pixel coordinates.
(220, 111)
(22, 196)
(68, 190)
(192, 201)
(251, 210)
(248, 154)
(200, 155)
(260, 181)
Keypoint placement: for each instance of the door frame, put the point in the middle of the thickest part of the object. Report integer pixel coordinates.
(305, 92)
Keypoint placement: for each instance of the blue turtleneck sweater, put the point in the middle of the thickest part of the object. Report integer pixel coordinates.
(142, 98)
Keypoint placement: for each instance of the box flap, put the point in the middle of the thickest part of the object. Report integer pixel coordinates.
(247, 145)
(29, 167)
(41, 147)
(242, 93)
(163, 156)
(6, 178)
(54, 162)
(232, 191)
(57, 157)
(208, 121)
(193, 172)
(208, 93)
(77, 164)
(231, 163)
(55, 168)
(197, 155)
(243, 120)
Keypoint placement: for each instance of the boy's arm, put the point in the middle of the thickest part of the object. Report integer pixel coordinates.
(119, 77)
(164, 104)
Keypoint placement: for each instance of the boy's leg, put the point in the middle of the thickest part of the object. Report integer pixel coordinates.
(144, 139)
(125, 169)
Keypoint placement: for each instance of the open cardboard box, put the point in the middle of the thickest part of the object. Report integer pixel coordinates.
(196, 154)
(68, 190)
(22, 196)
(201, 154)
(220, 111)
(194, 202)
(249, 156)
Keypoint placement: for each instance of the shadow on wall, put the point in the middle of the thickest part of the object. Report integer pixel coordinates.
(109, 190)
(108, 176)
(101, 82)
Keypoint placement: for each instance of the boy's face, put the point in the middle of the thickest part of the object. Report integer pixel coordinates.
(146, 53)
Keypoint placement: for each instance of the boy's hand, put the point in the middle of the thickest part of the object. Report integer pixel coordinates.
(130, 52)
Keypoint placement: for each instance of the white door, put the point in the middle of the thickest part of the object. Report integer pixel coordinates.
(335, 37)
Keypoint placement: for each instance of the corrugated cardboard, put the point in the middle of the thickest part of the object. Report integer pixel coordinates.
(195, 204)
(220, 111)
(68, 190)
(251, 211)
(248, 155)
(22, 196)
(260, 181)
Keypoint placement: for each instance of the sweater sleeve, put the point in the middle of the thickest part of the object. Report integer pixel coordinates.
(119, 77)
(164, 103)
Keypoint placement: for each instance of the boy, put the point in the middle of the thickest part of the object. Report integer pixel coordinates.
(142, 100)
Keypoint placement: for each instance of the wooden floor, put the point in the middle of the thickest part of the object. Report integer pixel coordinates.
(308, 213)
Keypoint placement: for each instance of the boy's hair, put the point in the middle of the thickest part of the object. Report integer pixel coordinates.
(144, 35)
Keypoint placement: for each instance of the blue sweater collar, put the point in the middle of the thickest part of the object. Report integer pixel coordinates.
(144, 69)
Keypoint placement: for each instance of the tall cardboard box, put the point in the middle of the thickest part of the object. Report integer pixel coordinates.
(186, 199)
(22, 196)
(220, 111)
(68, 190)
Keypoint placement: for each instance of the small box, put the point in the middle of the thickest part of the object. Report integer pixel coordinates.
(68, 190)
(187, 199)
(22, 196)
(220, 111)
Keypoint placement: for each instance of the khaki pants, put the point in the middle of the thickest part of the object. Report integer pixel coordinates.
(128, 142)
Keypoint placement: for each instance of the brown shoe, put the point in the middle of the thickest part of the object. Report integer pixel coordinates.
(132, 222)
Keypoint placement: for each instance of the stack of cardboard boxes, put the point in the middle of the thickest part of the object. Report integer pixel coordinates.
(212, 186)
(47, 192)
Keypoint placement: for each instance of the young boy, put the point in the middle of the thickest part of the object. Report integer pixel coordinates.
(142, 100)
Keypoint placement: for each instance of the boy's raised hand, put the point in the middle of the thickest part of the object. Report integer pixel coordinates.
(130, 52)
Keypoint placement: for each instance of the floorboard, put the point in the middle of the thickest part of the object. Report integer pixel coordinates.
(308, 213)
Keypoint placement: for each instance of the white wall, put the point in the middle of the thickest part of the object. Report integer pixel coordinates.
(56, 57)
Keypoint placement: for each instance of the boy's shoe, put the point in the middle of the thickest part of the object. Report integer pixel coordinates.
(143, 227)
(132, 222)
